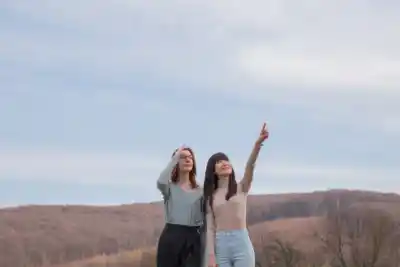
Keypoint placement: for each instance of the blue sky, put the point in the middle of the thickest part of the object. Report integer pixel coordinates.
(95, 95)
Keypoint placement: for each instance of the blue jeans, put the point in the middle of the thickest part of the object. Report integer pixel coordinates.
(234, 249)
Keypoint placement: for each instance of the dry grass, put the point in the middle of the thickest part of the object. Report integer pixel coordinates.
(135, 258)
(104, 260)
(300, 232)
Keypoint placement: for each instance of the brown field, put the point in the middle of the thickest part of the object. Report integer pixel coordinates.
(300, 232)
(119, 236)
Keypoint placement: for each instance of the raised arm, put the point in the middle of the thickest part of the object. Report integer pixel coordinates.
(163, 181)
(250, 165)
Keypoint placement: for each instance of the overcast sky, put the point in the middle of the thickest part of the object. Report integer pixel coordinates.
(96, 94)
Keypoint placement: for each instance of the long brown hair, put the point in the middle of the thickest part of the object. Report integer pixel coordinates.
(192, 173)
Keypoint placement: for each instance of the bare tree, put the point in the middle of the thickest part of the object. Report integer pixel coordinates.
(278, 253)
(361, 237)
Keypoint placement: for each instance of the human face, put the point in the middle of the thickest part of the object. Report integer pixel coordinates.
(223, 168)
(185, 161)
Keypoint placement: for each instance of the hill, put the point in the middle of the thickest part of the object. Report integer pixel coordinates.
(41, 235)
(53, 235)
(260, 233)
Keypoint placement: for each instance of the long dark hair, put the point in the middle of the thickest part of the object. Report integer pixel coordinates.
(211, 181)
(192, 173)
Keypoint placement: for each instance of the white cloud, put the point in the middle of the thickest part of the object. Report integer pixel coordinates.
(336, 45)
(391, 125)
(102, 167)
(338, 60)
(78, 166)
(334, 57)
(286, 177)
(287, 170)
(324, 71)
(341, 46)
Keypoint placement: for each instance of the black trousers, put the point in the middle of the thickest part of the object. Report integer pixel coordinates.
(180, 246)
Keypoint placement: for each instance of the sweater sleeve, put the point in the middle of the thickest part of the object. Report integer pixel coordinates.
(210, 232)
(163, 182)
(249, 169)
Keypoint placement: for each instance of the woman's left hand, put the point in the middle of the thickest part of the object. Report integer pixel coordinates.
(264, 134)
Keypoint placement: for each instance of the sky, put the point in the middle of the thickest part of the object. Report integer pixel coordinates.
(95, 95)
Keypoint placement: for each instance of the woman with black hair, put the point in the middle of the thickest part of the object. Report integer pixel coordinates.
(180, 243)
(225, 200)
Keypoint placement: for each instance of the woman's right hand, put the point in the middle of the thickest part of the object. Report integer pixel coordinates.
(211, 261)
(180, 149)
(264, 134)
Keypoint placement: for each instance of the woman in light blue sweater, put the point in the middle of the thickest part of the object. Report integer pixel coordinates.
(180, 243)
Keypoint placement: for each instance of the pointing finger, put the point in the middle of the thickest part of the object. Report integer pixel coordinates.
(263, 127)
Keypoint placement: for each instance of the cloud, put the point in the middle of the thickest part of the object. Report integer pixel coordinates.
(137, 169)
(284, 177)
(313, 46)
(323, 71)
(96, 71)
(391, 125)
(328, 46)
(326, 56)
(79, 166)
(339, 173)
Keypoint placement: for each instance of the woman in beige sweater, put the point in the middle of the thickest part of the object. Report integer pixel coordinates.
(225, 200)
